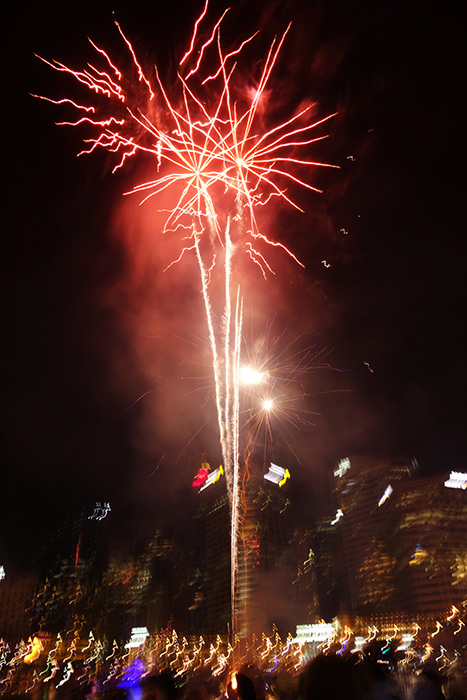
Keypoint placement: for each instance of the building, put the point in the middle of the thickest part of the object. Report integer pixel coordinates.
(363, 489)
(16, 593)
(266, 563)
(403, 539)
(212, 614)
(432, 553)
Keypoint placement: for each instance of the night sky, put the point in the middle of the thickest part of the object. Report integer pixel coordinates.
(91, 323)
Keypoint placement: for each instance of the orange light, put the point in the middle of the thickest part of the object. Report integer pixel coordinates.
(35, 650)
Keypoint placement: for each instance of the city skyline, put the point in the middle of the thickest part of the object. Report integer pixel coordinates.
(411, 570)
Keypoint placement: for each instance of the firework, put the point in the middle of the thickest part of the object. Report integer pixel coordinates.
(273, 382)
(219, 164)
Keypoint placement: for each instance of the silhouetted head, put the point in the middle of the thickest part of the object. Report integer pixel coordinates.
(245, 688)
(160, 687)
(330, 677)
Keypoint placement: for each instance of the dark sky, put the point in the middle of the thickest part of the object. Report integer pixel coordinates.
(91, 323)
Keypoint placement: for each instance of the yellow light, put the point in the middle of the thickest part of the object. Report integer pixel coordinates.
(250, 375)
(35, 650)
(220, 471)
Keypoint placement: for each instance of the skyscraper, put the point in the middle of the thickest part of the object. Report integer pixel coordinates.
(264, 557)
(403, 539)
(432, 551)
(363, 489)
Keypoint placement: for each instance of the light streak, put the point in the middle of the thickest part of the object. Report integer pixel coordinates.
(114, 649)
(90, 641)
(387, 492)
(461, 625)
(68, 672)
(457, 480)
(222, 165)
(55, 668)
(35, 679)
(100, 511)
(35, 649)
(338, 516)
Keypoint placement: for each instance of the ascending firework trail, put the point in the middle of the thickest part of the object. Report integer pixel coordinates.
(220, 165)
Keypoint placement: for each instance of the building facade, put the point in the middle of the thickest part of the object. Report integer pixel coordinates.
(403, 539)
(266, 562)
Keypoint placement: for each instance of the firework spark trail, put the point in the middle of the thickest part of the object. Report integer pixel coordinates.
(221, 166)
(274, 368)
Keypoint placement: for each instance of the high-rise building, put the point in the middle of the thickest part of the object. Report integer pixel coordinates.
(432, 551)
(16, 593)
(266, 568)
(362, 489)
(403, 539)
(212, 612)
(266, 564)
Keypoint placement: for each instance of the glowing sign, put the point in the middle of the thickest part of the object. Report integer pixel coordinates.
(200, 478)
(359, 643)
(278, 475)
(318, 632)
(212, 478)
(138, 637)
(342, 467)
(457, 480)
(385, 495)
(406, 643)
(339, 515)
